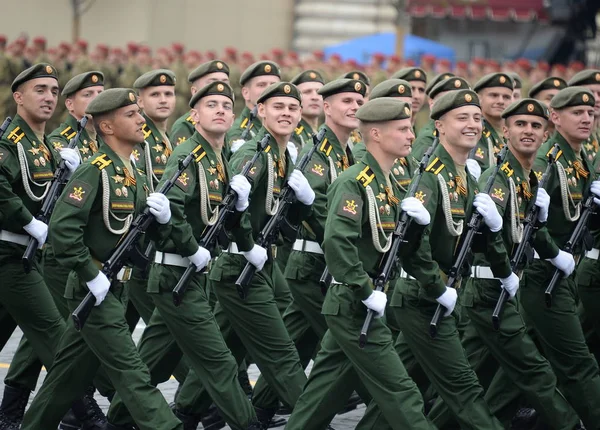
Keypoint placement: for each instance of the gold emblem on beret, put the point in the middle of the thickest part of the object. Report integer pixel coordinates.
(94, 78)
(417, 73)
(267, 68)
(220, 87)
(502, 79)
(598, 77)
(357, 86)
(530, 107)
(312, 75)
(468, 98)
(457, 83)
(132, 97)
(162, 79)
(355, 76)
(406, 110)
(219, 65)
(49, 69)
(585, 98)
(556, 83)
(401, 89)
(287, 89)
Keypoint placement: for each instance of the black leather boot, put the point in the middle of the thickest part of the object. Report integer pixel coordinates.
(13, 406)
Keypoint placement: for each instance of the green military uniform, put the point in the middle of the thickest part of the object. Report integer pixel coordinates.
(191, 328)
(585, 78)
(558, 328)
(448, 196)
(61, 137)
(96, 208)
(304, 132)
(356, 232)
(514, 194)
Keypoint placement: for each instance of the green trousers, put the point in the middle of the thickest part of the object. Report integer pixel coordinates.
(341, 361)
(189, 329)
(104, 340)
(562, 339)
(443, 359)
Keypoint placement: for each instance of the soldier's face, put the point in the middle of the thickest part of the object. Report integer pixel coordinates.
(546, 96)
(461, 127)
(208, 79)
(158, 102)
(125, 125)
(312, 102)
(78, 102)
(595, 89)
(397, 137)
(494, 100)
(255, 87)
(574, 123)
(516, 94)
(525, 133)
(418, 95)
(213, 114)
(280, 115)
(37, 98)
(341, 109)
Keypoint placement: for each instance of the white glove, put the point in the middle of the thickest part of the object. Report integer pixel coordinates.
(300, 185)
(293, 151)
(415, 209)
(200, 258)
(448, 300)
(595, 189)
(99, 287)
(38, 230)
(257, 256)
(564, 262)
(71, 158)
(159, 207)
(376, 302)
(510, 284)
(487, 208)
(237, 144)
(542, 201)
(241, 186)
(474, 168)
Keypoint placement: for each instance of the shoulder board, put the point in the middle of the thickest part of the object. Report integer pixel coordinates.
(102, 162)
(486, 132)
(299, 130)
(244, 123)
(146, 130)
(199, 153)
(326, 147)
(16, 135)
(436, 166)
(507, 169)
(190, 120)
(366, 176)
(558, 154)
(68, 132)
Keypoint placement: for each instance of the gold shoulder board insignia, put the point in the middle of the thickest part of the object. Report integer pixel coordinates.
(244, 123)
(486, 132)
(189, 119)
(16, 135)
(102, 162)
(68, 132)
(326, 147)
(366, 176)
(146, 130)
(507, 169)
(199, 153)
(558, 154)
(435, 166)
(299, 129)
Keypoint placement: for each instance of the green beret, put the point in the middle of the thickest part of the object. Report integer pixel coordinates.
(357, 75)
(343, 86)
(516, 79)
(454, 100)
(110, 100)
(494, 80)
(280, 89)
(83, 80)
(391, 88)
(216, 88)
(307, 76)
(383, 109)
(551, 83)
(585, 77)
(572, 96)
(436, 80)
(411, 74)
(526, 107)
(40, 70)
(155, 78)
(260, 68)
(452, 84)
(206, 68)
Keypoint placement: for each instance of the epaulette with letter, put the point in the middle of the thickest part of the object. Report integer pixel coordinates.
(436, 166)
(366, 176)
(326, 147)
(190, 120)
(199, 153)
(486, 132)
(299, 129)
(558, 154)
(146, 130)
(68, 132)
(102, 162)
(16, 135)
(507, 169)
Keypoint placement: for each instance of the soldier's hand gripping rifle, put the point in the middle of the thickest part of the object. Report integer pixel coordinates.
(212, 233)
(251, 117)
(58, 183)
(390, 258)
(472, 229)
(268, 235)
(524, 252)
(127, 250)
(580, 236)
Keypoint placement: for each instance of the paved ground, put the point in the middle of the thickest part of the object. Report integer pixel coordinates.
(341, 422)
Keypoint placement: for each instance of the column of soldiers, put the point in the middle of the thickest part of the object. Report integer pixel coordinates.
(353, 179)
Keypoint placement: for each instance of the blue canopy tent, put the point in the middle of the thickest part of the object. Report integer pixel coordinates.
(360, 49)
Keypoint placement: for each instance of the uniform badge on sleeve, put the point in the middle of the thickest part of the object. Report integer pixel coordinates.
(350, 206)
(77, 193)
